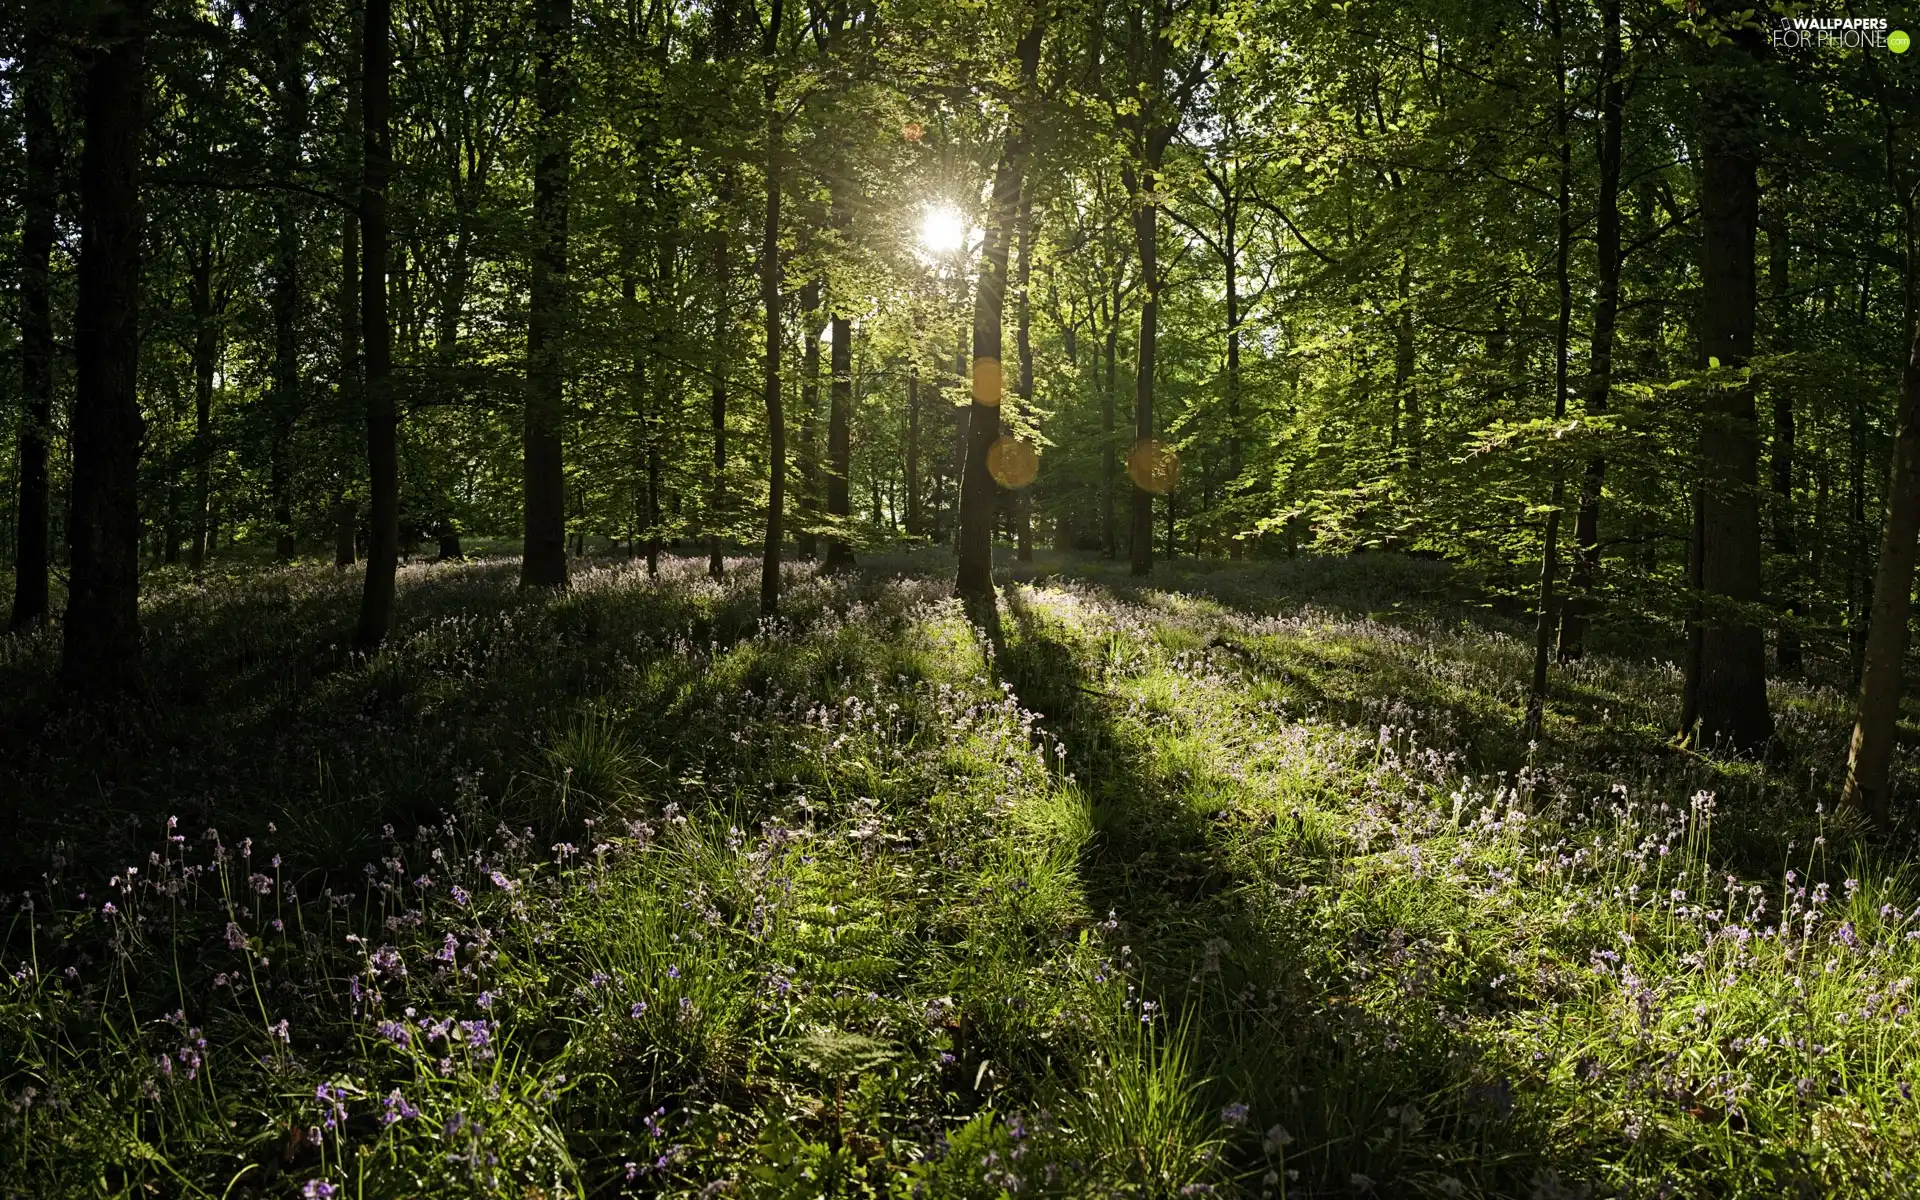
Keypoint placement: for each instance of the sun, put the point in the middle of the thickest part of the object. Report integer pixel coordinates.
(943, 230)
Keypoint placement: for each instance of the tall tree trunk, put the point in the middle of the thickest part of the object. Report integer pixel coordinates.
(1546, 614)
(1023, 340)
(1785, 542)
(33, 547)
(665, 285)
(1406, 395)
(958, 459)
(290, 40)
(205, 349)
(1606, 311)
(805, 542)
(1109, 400)
(1732, 666)
(1230, 259)
(977, 487)
(351, 391)
(345, 511)
(383, 414)
(1146, 233)
(717, 402)
(839, 446)
(1870, 754)
(101, 647)
(770, 302)
(913, 449)
(543, 561)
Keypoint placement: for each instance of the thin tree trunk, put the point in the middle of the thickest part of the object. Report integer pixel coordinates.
(383, 417)
(543, 561)
(101, 648)
(977, 488)
(717, 405)
(205, 349)
(1546, 615)
(913, 449)
(1146, 232)
(1870, 753)
(666, 283)
(1109, 399)
(33, 548)
(770, 302)
(839, 446)
(805, 541)
(1785, 539)
(1023, 339)
(346, 513)
(1230, 235)
(1606, 311)
(290, 39)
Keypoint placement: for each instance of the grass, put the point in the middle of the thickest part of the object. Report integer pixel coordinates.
(1236, 883)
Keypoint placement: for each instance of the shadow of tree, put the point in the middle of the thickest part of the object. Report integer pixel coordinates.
(1269, 993)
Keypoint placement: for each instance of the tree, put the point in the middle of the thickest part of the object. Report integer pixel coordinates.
(38, 76)
(770, 303)
(101, 648)
(1727, 672)
(975, 577)
(544, 554)
(1870, 752)
(376, 332)
(1606, 310)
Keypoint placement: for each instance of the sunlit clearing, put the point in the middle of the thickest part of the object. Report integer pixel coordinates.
(942, 230)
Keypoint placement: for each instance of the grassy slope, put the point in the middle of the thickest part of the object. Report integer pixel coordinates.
(1223, 883)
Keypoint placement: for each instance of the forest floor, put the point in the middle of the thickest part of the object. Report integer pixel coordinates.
(1235, 882)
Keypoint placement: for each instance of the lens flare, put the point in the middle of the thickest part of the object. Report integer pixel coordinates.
(1153, 467)
(988, 382)
(1012, 462)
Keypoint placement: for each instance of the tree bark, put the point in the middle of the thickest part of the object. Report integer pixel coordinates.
(1785, 541)
(39, 202)
(1109, 400)
(543, 561)
(770, 302)
(1146, 233)
(383, 417)
(345, 512)
(977, 486)
(1606, 312)
(665, 286)
(1023, 339)
(290, 34)
(101, 648)
(805, 541)
(839, 446)
(1732, 668)
(1546, 615)
(1870, 753)
(200, 296)
(913, 449)
(717, 399)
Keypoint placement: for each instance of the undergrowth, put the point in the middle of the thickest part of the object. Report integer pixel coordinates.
(1193, 888)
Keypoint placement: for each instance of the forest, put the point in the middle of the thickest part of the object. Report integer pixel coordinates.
(958, 599)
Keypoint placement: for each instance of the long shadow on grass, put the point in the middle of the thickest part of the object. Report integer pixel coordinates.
(1265, 986)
